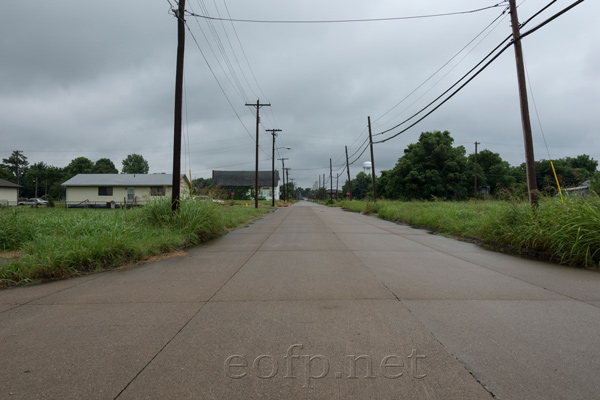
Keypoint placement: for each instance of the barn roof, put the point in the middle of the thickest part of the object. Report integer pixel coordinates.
(244, 178)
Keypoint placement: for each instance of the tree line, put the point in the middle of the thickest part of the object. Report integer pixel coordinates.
(433, 168)
(45, 180)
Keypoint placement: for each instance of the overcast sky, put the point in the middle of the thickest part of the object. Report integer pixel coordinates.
(96, 79)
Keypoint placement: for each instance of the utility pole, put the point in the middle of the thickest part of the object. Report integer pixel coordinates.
(529, 156)
(476, 143)
(337, 182)
(283, 174)
(258, 106)
(179, 13)
(293, 189)
(372, 162)
(287, 178)
(274, 133)
(330, 180)
(348, 169)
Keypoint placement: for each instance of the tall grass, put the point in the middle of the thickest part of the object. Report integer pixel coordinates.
(56, 243)
(567, 232)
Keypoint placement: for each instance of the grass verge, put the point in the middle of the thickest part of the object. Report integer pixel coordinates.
(568, 233)
(44, 244)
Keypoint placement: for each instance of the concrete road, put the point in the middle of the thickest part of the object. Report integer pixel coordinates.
(309, 303)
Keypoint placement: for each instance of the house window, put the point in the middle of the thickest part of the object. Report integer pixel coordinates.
(105, 191)
(157, 191)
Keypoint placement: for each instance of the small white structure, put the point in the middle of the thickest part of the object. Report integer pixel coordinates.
(109, 190)
(9, 193)
(367, 167)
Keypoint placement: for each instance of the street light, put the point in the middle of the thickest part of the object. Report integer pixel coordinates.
(273, 170)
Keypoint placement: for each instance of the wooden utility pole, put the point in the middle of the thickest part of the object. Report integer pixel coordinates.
(348, 169)
(337, 182)
(372, 162)
(476, 143)
(258, 106)
(287, 178)
(529, 156)
(274, 133)
(283, 174)
(330, 180)
(179, 13)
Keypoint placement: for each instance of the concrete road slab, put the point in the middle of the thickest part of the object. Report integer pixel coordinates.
(521, 349)
(303, 275)
(256, 228)
(303, 242)
(305, 350)
(193, 278)
(404, 230)
(445, 244)
(5, 307)
(24, 295)
(303, 228)
(380, 242)
(577, 283)
(231, 243)
(434, 275)
(355, 228)
(82, 351)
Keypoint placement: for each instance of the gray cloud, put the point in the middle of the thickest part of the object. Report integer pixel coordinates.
(97, 80)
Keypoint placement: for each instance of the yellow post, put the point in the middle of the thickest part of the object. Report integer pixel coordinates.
(557, 184)
(191, 189)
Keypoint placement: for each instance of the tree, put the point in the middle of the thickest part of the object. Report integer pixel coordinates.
(135, 164)
(79, 165)
(429, 169)
(48, 178)
(492, 171)
(13, 163)
(584, 162)
(104, 166)
(4, 173)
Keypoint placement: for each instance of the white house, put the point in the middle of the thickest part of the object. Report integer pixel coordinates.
(104, 190)
(9, 193)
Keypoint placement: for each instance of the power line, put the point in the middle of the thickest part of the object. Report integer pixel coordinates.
(477, 73)
(444, 65)
(346, 20)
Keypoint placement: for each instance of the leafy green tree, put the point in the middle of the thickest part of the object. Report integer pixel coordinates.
(287, 190)
(567, 175)
(104, 166)
(595, 183)
(492, 171)
(201, 183)
(321, 194)
(48, 179)
(4, 173)
(135, 164)
(431, 168)
(11, 163)
(79, 165)
(582, 162)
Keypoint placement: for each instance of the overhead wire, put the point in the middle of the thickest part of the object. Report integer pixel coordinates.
(351, 20)
(444, 65)
(478, 72)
